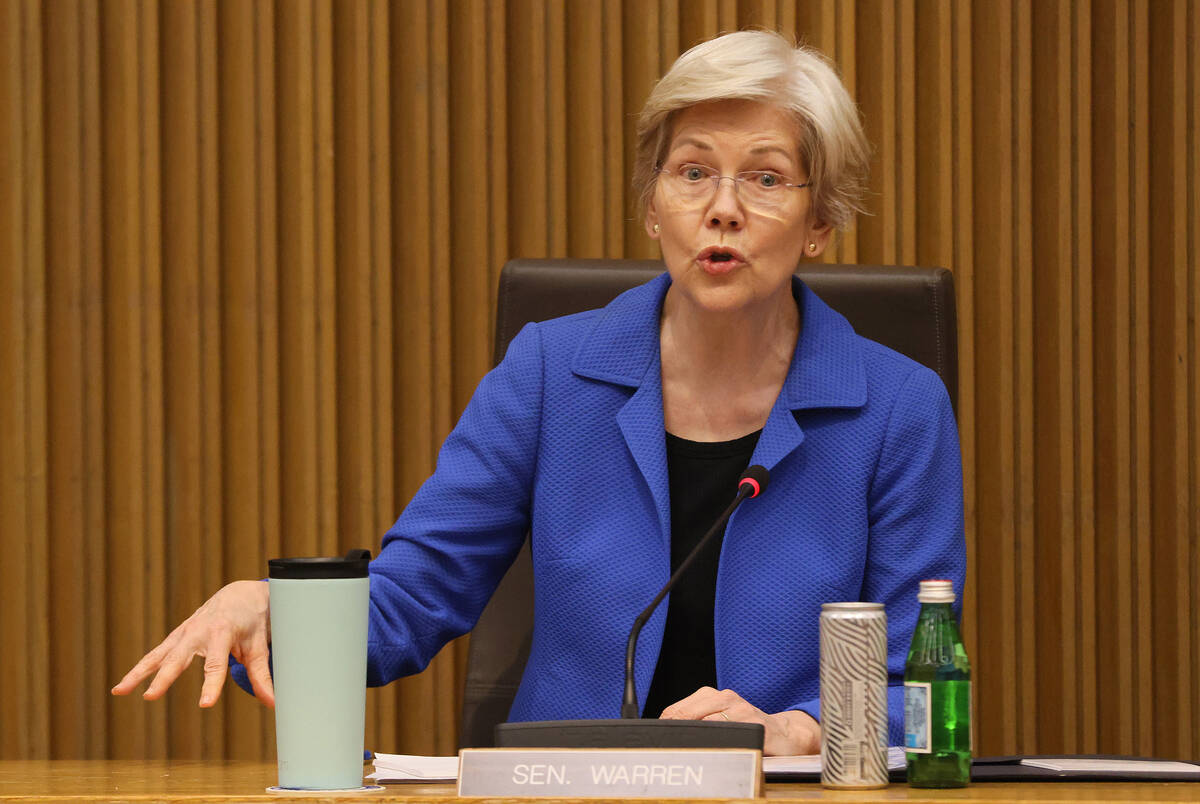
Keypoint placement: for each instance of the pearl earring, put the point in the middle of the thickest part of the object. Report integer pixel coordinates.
(656, 228)
(812, 246)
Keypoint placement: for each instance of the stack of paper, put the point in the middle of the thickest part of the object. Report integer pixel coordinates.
(811, 763)
(1105, 764)
(408, 768)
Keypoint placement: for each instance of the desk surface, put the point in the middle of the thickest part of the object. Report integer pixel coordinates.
(197, 781)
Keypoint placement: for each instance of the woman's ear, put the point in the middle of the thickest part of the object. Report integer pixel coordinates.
(651, 221)
(819, 236)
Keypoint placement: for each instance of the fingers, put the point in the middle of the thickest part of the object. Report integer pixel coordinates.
(216, 666)
(141, 671)
(706, 702)
(170, 669)
(258, 670)
(150, 664)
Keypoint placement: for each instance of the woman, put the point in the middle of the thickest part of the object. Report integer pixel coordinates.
(615, 436)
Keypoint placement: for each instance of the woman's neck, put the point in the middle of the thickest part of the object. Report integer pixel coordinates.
(722, 372)
(733, 347)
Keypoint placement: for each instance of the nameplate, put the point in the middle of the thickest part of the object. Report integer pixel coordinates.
(610, 772)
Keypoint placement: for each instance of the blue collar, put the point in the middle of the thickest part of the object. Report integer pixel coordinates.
(827, 369)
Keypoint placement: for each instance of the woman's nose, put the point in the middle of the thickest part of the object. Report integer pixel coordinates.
(725, 209)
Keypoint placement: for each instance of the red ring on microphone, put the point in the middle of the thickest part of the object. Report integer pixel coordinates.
(749, 481)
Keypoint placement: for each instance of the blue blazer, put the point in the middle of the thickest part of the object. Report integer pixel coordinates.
(564, 439)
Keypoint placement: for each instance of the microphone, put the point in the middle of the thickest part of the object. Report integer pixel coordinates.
(630, 730)
(750, 484)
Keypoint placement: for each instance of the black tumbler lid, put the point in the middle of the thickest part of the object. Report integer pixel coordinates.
(352, 565)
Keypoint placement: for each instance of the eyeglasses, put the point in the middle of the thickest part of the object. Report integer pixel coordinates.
(697, 184)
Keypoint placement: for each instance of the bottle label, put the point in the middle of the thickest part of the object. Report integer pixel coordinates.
(917, 720)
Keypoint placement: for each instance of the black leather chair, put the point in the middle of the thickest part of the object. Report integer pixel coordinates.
(910, 310)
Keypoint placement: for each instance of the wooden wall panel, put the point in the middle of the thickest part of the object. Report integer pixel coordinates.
(65, 372)
(250, 252)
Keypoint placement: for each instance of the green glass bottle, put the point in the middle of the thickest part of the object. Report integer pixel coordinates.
(937, 694)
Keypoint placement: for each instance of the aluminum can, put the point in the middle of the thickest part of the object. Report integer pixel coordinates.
(854, 708)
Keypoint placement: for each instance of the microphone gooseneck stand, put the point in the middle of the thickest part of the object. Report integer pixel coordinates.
(631, 730)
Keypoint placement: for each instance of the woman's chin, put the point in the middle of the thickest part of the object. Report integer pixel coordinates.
(718, 299)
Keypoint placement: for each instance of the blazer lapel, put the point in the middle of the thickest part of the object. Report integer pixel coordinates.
(623, 349)
(641, 423)
(827, 371)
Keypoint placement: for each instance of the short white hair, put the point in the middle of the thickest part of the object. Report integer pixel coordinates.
(763, 66)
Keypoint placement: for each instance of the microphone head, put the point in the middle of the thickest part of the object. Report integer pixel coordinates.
(755, 477)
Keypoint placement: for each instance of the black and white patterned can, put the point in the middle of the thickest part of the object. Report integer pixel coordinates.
(854, 708)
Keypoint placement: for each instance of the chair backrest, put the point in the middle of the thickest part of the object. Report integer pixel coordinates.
(910, 310)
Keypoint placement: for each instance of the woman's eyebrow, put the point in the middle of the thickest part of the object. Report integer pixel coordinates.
(704, 146)
(763, 149)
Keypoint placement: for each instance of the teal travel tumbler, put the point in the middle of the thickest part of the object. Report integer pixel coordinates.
(319, 665)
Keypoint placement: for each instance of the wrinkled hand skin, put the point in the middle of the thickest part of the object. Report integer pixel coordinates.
(787, 733)
(236, 620)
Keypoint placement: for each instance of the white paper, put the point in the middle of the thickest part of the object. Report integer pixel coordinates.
(811, 763)
(412, 768)
(1119, 765)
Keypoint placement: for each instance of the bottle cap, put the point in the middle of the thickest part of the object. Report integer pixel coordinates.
(936, 592)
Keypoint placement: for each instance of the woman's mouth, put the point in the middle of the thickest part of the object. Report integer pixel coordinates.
(716, 260)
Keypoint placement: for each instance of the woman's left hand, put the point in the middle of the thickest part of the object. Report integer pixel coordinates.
(787, 733)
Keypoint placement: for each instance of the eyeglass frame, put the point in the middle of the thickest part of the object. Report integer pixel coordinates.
(716, 180)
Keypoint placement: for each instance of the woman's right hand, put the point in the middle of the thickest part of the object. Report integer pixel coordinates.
(235, 620)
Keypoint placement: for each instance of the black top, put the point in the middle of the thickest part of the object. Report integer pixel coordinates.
(703, 479)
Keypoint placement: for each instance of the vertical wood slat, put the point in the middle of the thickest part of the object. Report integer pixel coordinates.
(149, 194)
(1168, 331)
(555, 122)
(37, 653)
(1084, 413)
(95, 674)
(498, 148)
(211, 314)
(258, 306)
(1139, 269)
(241, 345)
(1055, 374)
(298, 300)
(16, 371)
(845, 55)
(324, 170)
(124, 358)
(1114, 508)
(639, 68)
(875, 49)
(997, 405)
(1022, 371)
(182, 340)
(529, 230)
(617, 166)
(586, 174)
(70, 712)
(905, 201)
(1193, 127)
